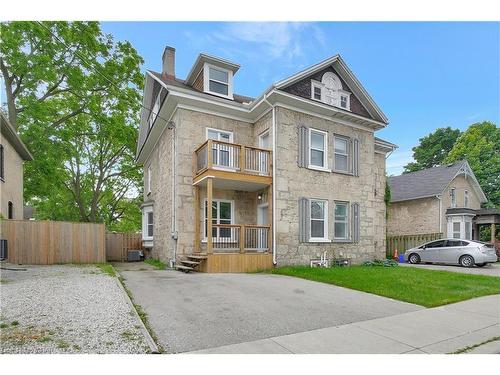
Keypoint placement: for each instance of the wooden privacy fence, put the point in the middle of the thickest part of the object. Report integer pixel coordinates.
(118, 245)
(403, 243)
(53, 242)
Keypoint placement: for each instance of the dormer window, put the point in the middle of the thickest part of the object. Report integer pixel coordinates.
(218, 81)
(330, 91)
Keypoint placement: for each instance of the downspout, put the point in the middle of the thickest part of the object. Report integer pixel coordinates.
(174, 234)
(273, 132)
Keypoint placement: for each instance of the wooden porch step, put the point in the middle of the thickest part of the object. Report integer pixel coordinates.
(184, 268)
(190, 263)
(197, 257)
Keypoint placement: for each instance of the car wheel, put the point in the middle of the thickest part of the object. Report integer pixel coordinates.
(466, 261)
(414, 259)
(481, 264)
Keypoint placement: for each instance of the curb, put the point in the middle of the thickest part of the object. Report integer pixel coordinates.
(149, 340)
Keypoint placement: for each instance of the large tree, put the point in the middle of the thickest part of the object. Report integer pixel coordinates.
(480, 146)
(432, 149)
(74, 95)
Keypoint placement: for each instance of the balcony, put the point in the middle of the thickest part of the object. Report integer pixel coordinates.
(241, 167)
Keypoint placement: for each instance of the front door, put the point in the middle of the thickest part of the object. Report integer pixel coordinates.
(262, 219)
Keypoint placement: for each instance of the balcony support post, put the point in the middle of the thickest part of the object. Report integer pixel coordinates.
(196, 219)
(242, 239)
(209, 213)
(209, 154)
(270, 217)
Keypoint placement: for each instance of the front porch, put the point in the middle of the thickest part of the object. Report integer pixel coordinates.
(235, 181)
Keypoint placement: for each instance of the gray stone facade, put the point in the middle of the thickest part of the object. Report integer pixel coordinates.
(293, 183)
(172, 189)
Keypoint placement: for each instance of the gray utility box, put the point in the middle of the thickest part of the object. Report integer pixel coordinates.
(134, 255)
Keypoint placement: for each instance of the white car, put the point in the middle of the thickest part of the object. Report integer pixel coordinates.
(453, 251)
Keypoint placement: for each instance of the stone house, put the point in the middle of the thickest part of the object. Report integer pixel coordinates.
(289, 175)
(445, 199)
(13, 154)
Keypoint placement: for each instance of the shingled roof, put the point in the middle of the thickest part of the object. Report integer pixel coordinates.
(422, 184)
(181, 83)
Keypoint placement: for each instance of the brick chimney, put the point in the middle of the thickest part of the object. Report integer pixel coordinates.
(168, 62)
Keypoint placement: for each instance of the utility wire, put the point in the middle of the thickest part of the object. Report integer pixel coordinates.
(90, 66)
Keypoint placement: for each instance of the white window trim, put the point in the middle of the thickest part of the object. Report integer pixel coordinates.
(466, 198)
(204, 239)
(325, 222)
(148, 191)
(349, 157)
(453, 197)
(262, 135)
(347, 223)
(206, 81)
(348, 95)
(231, 140)
(145, 211)
(325, 151)
(318, 85)
(340, 92)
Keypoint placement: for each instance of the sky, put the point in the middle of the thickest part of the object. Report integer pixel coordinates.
(422, 75)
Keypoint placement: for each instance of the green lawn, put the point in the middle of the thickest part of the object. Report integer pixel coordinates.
(156, 263)
(422, 287)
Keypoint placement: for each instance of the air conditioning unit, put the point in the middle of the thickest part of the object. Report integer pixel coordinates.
(134, 255)
(4, 252)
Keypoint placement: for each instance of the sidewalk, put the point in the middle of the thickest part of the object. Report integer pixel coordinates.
(442, 329)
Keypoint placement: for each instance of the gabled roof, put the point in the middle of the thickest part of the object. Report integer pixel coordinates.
(343, 70)
(430, 182)
(13, 138)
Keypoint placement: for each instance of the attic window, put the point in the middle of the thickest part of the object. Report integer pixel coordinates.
(330, 91)
(218, 81)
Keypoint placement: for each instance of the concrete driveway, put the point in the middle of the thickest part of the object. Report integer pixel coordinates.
(488, 270)
(199, 311)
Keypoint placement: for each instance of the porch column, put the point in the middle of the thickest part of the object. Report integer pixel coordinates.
(270, 217)
(209, 215)
(196, 219)
(493, 233)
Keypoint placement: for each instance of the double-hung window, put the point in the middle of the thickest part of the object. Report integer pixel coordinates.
(316, 90)
(456, 229)
(319, 220)
(341, 221)
(341, 152)
(147, 223)
(318, 141)
(218, 81)
(466, 198)
(222, 213)
(453, 197)
(468, 230)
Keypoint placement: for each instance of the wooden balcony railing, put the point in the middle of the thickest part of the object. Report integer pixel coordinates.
(240, 238)
(232, 156)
